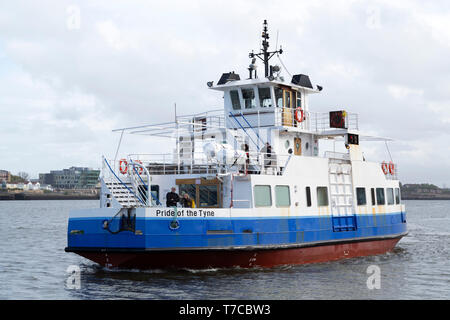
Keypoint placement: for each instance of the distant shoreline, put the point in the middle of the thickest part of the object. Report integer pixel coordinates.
(434, 198)
(46, 196)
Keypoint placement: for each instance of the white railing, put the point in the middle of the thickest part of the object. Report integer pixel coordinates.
(198, 163)
(337, 155)
(202, 121)
(118, 181)
(312, 121)
(390, 170)
(134, 178)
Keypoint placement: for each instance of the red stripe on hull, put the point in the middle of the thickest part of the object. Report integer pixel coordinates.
(241, 258)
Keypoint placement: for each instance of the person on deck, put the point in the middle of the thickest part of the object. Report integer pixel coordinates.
(187, 202)
(268, 154)
(172, 198)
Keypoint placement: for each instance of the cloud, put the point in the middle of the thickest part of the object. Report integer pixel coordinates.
(71, 72)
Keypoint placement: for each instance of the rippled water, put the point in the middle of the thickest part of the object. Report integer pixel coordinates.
(33, 265)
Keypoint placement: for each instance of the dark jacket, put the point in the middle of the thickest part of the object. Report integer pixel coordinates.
(171, 199)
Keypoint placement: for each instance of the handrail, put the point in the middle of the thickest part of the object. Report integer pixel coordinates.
(257, 134)
(148, 186)
(243, 129)
(131, 191)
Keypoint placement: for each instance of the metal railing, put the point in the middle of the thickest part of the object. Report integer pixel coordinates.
(312, 121)
(135, 180)
(199, 163)
(337, 155)
(390, 170)
(114, 182)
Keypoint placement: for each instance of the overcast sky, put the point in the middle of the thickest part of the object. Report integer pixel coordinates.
(71, 71)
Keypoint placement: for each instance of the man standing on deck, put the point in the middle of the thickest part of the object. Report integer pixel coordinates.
(172, 198)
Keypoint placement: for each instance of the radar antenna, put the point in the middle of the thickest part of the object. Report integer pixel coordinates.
(264, 54)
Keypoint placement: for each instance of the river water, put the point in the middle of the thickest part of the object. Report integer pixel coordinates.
(33, 265)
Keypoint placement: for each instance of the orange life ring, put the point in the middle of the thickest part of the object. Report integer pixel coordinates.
(391, 168)
(384, 167)
(123, 170)
(296, 114)
(140, 170)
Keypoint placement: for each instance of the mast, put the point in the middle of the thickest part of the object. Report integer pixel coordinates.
(264, 54)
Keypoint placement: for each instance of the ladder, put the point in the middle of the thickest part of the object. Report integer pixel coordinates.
(341, 194)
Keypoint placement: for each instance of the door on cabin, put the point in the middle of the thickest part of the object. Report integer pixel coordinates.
(288, 118)
(297, 146)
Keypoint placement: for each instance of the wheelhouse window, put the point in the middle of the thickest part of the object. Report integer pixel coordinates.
(287, 99)
(308, 197)
(380, 196)
(397, 195)
(235, 102)
(361, 196)
(282, 196)
(279, 97)
(263, 196)
(322, 196)
(390, 196)
(249, 98)
(299, 100)
(265, 99)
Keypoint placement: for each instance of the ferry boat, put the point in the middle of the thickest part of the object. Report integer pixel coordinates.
(261, 192)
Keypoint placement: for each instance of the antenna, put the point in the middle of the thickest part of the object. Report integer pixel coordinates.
(264, 54)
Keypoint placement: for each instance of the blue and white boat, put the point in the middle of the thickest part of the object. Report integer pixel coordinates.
(263, 192)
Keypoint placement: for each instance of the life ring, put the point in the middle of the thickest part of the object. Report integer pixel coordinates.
(391, 168)
(384, 167)
(296, 114)
(139, 169)
(123, 170)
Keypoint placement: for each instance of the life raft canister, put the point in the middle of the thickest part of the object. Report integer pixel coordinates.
(123, 169)
(299, 119)
(384, 167)
(391, 168)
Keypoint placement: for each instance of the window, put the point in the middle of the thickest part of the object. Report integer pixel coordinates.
(155, 192)
(397, 195)
(308, 196)
(282, 196)
(361, 196)
(235, 102)
(322, 196)
(299, 100)
(263, 196)
(265, 100)
(249, 98)
(279, 97)
(390, 196)
(207, 196)
(372, 194)
(380, 196)
(287, 99)
(190, 189)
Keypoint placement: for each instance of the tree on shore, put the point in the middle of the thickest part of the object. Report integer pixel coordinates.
(24, 175)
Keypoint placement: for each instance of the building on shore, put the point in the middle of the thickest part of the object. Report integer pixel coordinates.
(72, 178)
(5, 176)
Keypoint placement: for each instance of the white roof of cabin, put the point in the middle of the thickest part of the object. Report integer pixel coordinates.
(262, 81)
